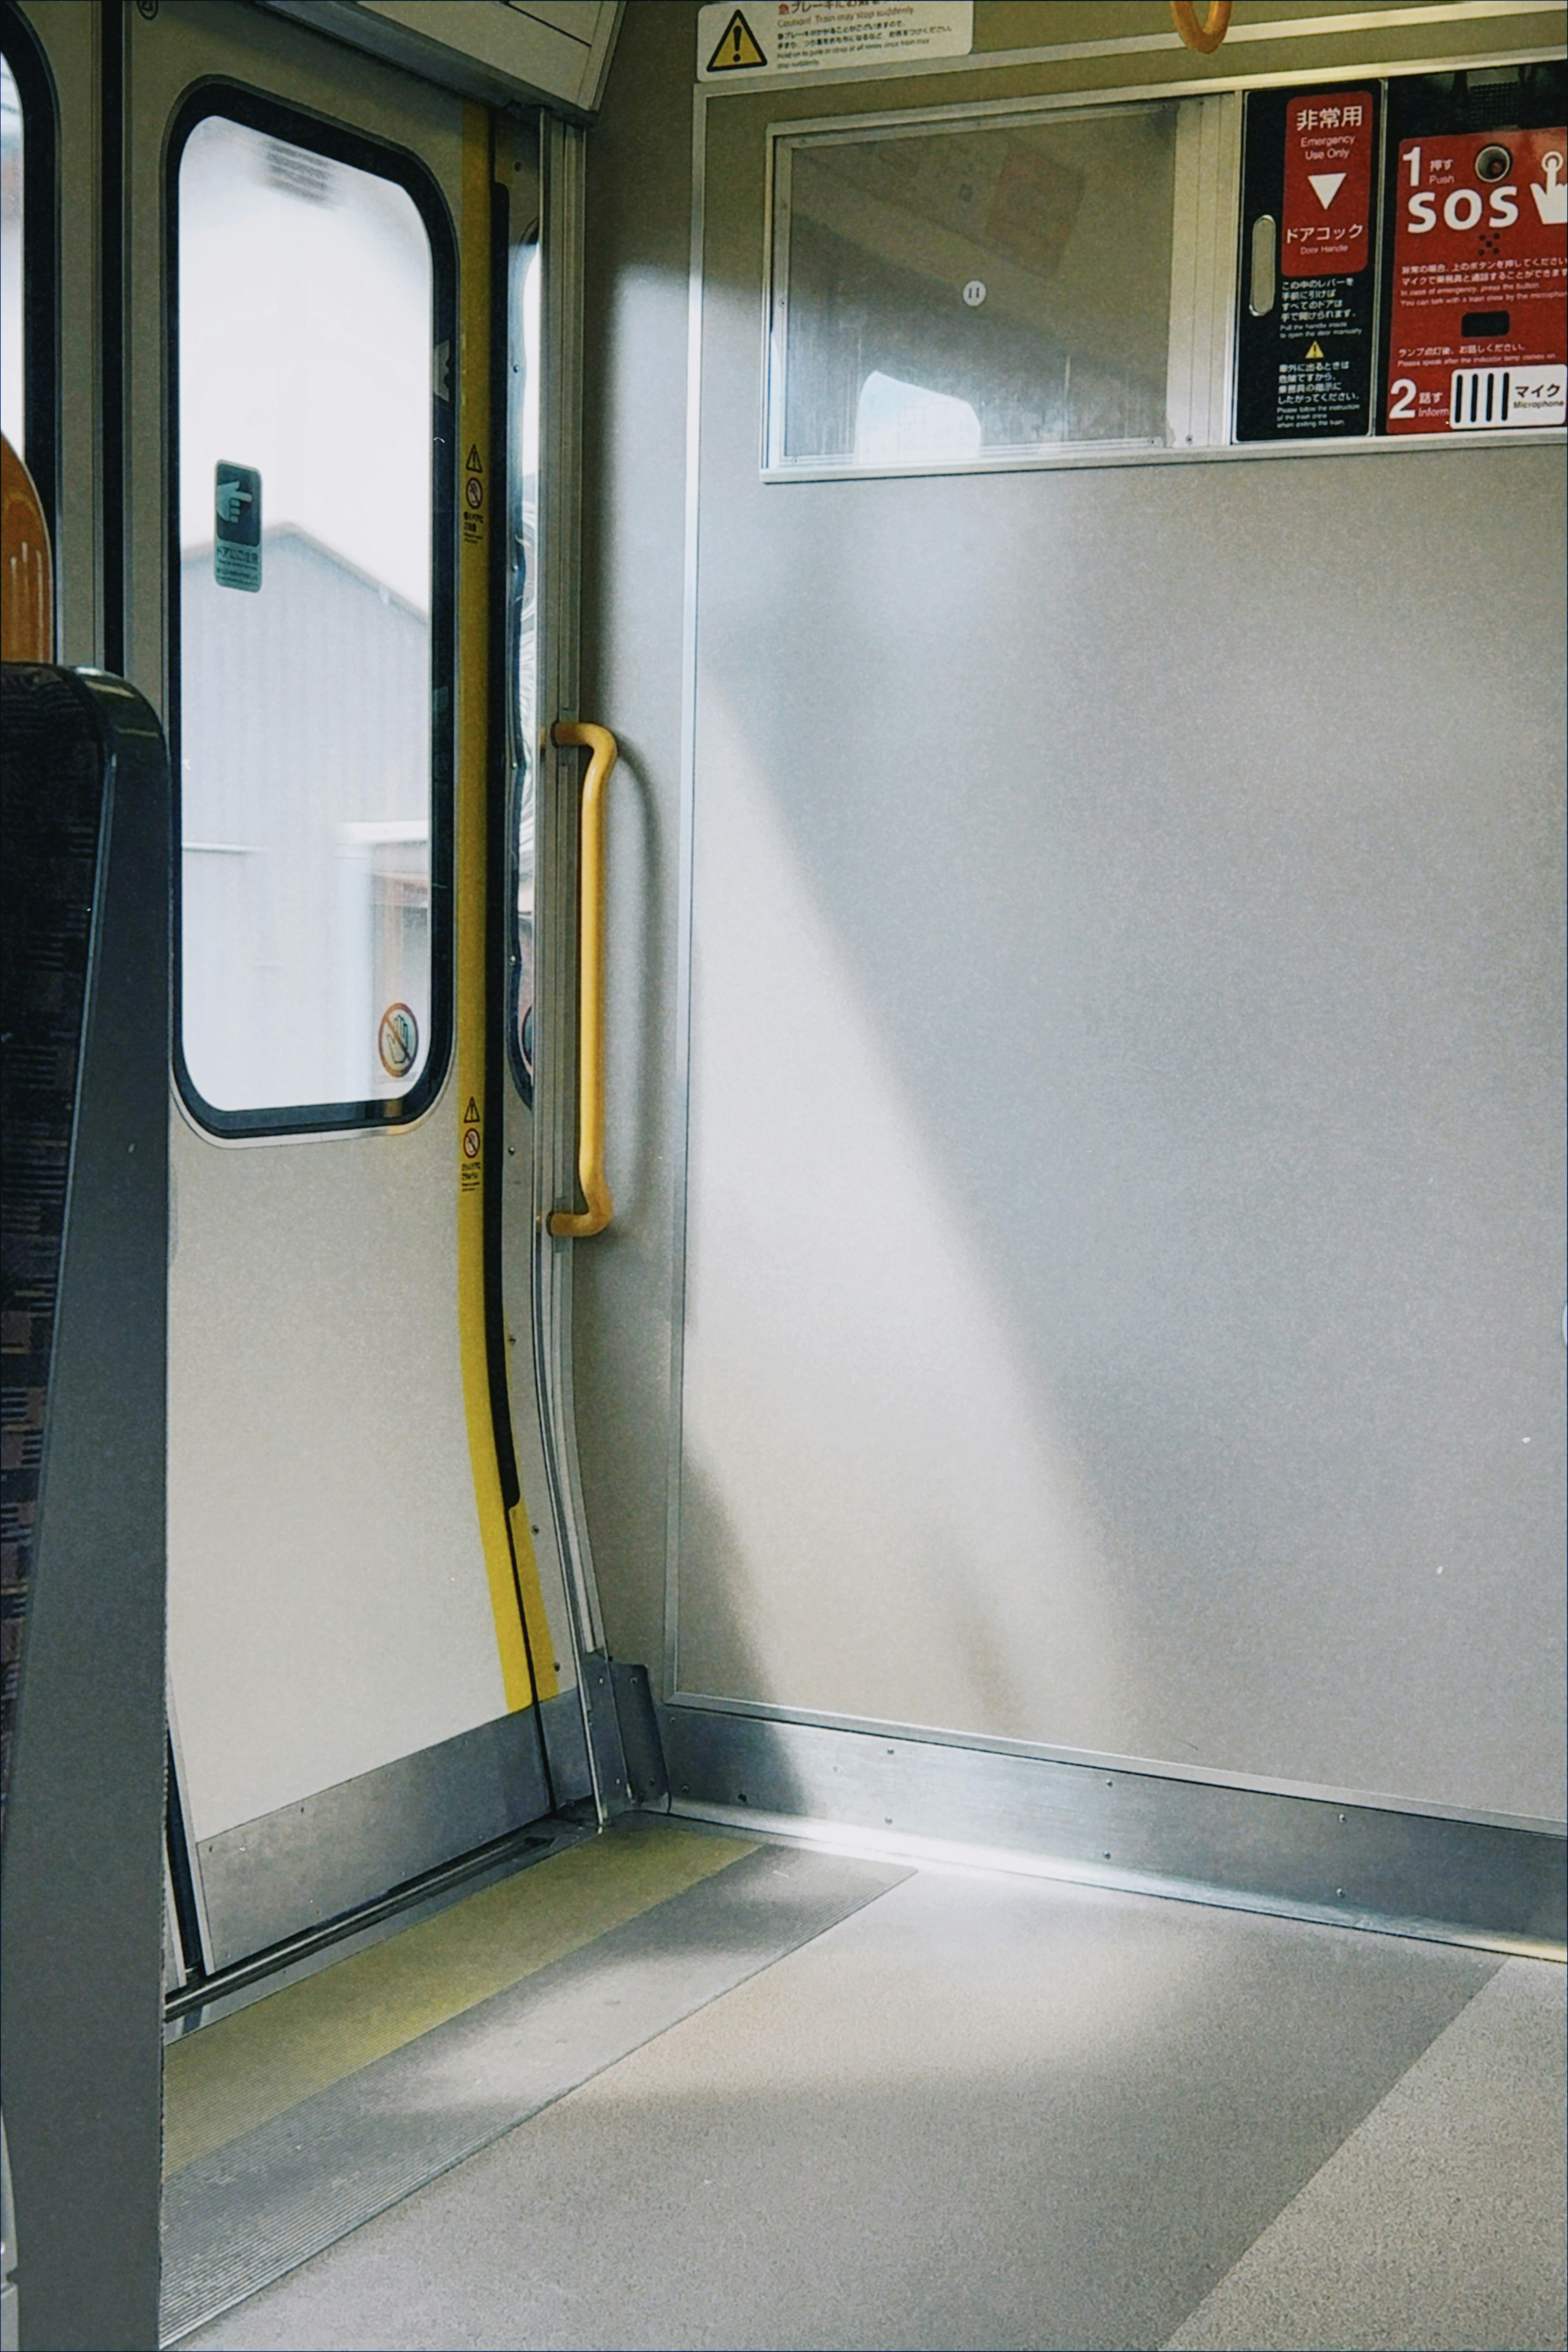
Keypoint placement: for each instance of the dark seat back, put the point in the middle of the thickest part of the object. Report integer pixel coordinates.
(84, 1016)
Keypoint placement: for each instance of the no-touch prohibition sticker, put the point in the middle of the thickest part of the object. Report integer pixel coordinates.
(1478, 333)
(398, 1040)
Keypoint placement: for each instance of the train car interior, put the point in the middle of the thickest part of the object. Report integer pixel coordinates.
(783, 1289)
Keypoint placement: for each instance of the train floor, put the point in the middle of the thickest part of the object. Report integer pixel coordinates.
(674, 2087)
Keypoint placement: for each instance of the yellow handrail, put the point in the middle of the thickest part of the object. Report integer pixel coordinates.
(572, 1224)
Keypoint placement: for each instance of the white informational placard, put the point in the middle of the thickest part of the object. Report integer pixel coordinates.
(759, 40)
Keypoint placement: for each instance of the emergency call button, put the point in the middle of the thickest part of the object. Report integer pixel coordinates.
(1478, 333)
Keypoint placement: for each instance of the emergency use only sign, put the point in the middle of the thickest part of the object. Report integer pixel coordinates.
(1306, 324)
(761, 40)
(1478, 333)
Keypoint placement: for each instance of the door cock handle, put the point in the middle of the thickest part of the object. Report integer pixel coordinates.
(572, 1224)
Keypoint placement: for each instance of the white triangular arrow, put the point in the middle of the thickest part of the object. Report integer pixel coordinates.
(1326, 185)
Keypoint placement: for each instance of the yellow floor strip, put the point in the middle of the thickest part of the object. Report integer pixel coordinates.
(246, 2069)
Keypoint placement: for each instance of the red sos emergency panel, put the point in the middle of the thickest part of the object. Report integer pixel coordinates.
(1405, 257)
(1477, 325)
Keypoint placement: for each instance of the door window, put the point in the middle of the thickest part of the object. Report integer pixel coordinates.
(13, 153)
(29, 262)
(312, 691)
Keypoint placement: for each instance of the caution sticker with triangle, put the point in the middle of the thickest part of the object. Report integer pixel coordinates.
(736, 49)
(474, 496)
(780, 37)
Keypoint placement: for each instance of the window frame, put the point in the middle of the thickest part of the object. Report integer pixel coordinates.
(40, 262)
(258, 111)
(786, 136)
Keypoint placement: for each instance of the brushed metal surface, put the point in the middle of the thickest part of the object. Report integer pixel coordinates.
(566, 1748)
(1361, 1865)
(551, 1129)
(344, 1846)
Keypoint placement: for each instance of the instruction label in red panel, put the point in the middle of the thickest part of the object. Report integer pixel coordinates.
(1327, 225)
(1478, 329)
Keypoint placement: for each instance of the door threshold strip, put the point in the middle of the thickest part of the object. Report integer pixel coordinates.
(201, 2000)
(263, 2203)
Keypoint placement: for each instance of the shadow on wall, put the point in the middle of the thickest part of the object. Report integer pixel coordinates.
(898, 1530)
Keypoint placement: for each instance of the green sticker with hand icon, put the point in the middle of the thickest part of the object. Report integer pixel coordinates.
(237, 526)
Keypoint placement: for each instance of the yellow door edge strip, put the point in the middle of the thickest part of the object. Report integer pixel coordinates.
(478, 491)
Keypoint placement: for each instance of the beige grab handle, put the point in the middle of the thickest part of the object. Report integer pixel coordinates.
(573, 1224)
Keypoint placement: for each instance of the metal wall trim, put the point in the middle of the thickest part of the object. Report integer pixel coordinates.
(563, 190)
(681, 1137)
(1155, 1767)
(1091, 96)
(560, 1726)
(291, 1870)
(1439, 14)
(1350, 1865)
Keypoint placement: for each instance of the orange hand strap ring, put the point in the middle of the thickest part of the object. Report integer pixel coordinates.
(1205, 37)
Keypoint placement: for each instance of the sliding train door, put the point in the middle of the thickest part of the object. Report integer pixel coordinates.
(363, 1669)
(1117, 1275)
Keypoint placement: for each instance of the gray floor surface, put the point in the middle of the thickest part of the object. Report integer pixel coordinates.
(260, 2205)
(996, 2111)
(1440, 2221)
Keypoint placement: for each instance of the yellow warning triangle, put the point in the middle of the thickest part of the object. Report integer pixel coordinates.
(1314, 350)
(737, 47)
(471, 1116)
